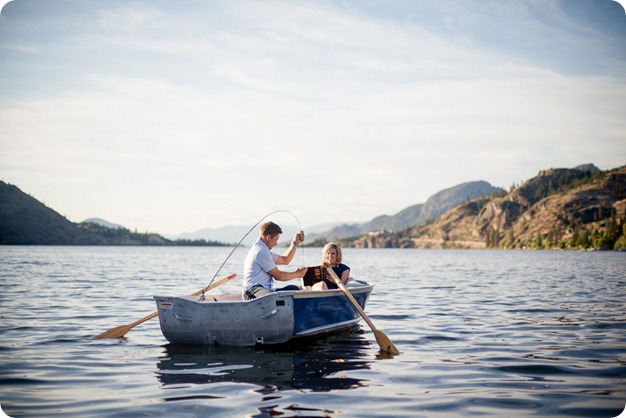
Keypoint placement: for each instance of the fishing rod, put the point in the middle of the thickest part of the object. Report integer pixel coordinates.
(248, 233)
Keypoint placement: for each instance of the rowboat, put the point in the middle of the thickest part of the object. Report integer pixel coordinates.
(276, 318)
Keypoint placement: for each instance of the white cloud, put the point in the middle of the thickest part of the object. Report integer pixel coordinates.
(329, 111)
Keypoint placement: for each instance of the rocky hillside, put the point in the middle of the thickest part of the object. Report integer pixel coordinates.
(559, 208)
(26, 221)
(415, 215)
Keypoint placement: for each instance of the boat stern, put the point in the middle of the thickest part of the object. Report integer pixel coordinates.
(266, 320)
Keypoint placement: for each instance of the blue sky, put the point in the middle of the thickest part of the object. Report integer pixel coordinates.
(176, 116)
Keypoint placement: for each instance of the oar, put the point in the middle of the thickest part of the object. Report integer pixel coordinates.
(119, 332)
(383, 341)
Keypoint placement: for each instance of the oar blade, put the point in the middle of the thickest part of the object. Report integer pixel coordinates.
(385, 343)
(117, 332)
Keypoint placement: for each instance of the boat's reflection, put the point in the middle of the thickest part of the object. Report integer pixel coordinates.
(314, 365)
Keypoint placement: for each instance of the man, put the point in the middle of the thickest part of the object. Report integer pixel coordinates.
(260, 271)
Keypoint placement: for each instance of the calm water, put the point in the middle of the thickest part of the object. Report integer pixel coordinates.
(483, 333)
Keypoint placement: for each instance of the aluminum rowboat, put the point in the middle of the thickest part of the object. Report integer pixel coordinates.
(276, 318)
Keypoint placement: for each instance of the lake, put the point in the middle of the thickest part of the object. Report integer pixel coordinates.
(481, 333)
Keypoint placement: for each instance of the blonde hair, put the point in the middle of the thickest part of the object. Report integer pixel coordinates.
(328, 247)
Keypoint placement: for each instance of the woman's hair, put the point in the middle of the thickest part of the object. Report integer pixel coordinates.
(328, 247)
(269, 228)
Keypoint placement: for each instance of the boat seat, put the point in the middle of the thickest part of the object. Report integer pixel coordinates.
(354, 282)
(216, 298)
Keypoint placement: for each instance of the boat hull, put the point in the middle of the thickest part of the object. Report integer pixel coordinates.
(272, 319)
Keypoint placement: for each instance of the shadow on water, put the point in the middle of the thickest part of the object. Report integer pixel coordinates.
(312, 365)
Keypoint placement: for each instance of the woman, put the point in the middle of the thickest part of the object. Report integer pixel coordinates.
(331, 257)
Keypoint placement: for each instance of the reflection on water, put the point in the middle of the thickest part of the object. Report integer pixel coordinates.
(313, 365)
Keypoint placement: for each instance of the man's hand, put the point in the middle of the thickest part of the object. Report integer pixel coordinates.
(298, 238)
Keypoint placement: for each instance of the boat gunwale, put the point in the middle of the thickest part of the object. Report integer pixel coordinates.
(296, 294)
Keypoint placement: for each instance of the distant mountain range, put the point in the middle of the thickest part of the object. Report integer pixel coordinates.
(234, 234)
(318, 235)
(582, 207)
(27, 221)
(104, 223)
(579, 208)
(414, 215)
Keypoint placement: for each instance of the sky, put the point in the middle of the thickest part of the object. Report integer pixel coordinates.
(172, 117)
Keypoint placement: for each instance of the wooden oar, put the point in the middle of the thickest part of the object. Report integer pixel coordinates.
(119, 332)
(383, 341)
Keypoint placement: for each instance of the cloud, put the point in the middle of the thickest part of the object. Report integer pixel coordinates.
(174, 118)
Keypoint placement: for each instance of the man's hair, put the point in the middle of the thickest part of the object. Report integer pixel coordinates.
(270, 228)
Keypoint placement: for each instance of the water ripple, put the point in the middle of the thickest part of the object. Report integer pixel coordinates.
(491, 333)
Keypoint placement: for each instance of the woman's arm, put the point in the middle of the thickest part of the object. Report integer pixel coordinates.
(345, 276)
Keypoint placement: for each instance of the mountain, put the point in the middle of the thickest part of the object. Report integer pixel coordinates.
(582, 207)
(233, 234)
(104, 223)
(26, 221)
(414, 215)
(230, 234)
(565, 208)
(449, 198)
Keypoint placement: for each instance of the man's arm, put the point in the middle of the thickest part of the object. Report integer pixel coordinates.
(291, 251)
(287, 255)
(285, 276)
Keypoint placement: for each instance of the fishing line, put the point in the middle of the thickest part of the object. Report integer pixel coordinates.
(248, 233)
